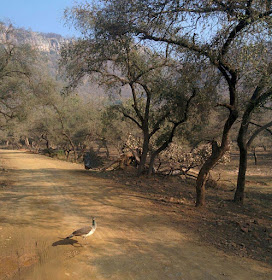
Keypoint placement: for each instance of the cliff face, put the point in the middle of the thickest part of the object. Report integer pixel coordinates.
(45, 42)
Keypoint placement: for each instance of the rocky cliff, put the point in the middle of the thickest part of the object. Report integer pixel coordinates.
(45, 42)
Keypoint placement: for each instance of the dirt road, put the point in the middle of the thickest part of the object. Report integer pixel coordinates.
(43, 200)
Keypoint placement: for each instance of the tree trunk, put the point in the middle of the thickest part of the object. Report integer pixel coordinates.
(243, 144)
(67, 153)
(200, 185)
(217, 153)
(141, 166)
(243, 147)
(107, 149)
(255, 156)
(27, 142)
(241, 180)
(151, 169)
(103, 143)
(169, 140)
(44, 137)
(72, 144)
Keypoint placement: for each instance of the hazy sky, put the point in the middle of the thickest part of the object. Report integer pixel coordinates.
(39, 15)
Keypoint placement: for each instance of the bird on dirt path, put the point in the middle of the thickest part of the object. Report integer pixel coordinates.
(85, 231)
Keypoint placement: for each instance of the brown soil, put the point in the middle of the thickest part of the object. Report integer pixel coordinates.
(147, 228)
(245, 231)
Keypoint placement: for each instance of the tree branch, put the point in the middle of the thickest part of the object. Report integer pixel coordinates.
(179, 42)
(186, 110)
(135, 105)
(228, 106)
(258, 125)
(131, 118)
(158, 123)
(176, 124)
(149, 70)
(147, 105)
(255, 134)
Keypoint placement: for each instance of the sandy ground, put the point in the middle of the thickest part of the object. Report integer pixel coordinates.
(43, 200)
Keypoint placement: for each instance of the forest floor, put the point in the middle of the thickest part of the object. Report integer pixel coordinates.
(148, 228)
(242, 230)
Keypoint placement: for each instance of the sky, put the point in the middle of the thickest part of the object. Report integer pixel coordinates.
(38, 15)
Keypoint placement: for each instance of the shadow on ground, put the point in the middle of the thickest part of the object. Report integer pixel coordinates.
(65, 241)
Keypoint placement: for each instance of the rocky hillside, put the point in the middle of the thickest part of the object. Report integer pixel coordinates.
(45, 42)
(49, 44)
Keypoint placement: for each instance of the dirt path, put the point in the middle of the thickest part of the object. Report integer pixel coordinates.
(43, 200)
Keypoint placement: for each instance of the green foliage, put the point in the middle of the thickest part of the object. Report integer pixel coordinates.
(16, 66)
(160, 81)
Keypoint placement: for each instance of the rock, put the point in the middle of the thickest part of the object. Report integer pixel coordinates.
(244, 229)
(256, 235)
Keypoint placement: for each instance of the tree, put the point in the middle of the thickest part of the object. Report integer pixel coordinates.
(115, 129)
(261, 95)
(160, 91)
(16, 67)
(61, 121)
(209, 29)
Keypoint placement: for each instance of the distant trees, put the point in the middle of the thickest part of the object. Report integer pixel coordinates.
(61, 122)
(32, 109)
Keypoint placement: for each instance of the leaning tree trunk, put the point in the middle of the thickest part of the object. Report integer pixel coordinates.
(71, 143)
(159, 150)
(171, 135)
(217, 153)
(154, 155)
(27, 142)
